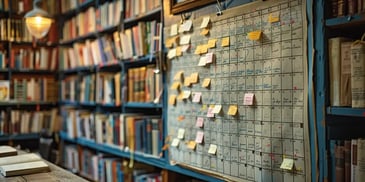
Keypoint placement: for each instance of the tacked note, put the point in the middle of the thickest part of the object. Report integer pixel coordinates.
(181, 133)
(212, 149)
(175, 86)
(225, 42)
(202, 61)
(274, 17)
(192, 145)
(199, 122)
(197, 96)
(255, 35)
(171, 54)
(175, 142)
(173, 30)
(217, 109)
(287, 164)
(205, 22)
(232, 111)
(172, 99)
(209, 57)
(249, 99)
(211, 43)
(187, 94)
(178, 75)
(199, 137)
(185, 39)
(204, 31)
(206, 82)
(194, 78)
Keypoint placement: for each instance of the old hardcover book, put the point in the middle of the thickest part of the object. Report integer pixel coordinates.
(358, 75)
(19, 159)
(24, 168)
(7, 151)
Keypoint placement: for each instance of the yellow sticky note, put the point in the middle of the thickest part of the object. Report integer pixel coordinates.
(206, 82)
(175, 86)
(205, 31)
(192, 145)
(178, 75)
(204, 107)
(194, 78)
(204, 49)
(287, 164)
(211, 43)
(187, 82)
(212, 149)
(232, 111)
(274, 17)
(197, 49)
(225, 42)
(180, 96)
(169, 42)
(187, 94)
(255, 35)
(172, 99)
(178, 51)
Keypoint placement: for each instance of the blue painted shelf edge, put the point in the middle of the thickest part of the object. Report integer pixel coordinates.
(344, 20)
(142, 105)
(346, 111)
(19, 136)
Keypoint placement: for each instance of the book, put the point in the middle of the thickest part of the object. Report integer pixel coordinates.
(24, 168)
(360, 172)
(15, 159)
(358, 75)
(345, 80)
(340, 164)
(7, 151)
(4, 90)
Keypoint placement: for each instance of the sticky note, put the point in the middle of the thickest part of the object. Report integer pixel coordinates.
(181, 118)
(186, 26)
(172, 99)
(196, 97)
(171, 54)
(202, 61)
(225, 42)
(181, 133)
(255, 35)
(212, 149)
(173, 30)
(198, 49)
(185, 39)
(175, 142)
(248, 99)
(210, 113)
(175, 86)
(232, 111)
(205, 22)
(192, 145)
(187, 81)
(187, 94)
(211, 43)
(203, 49)
(178, 75)
(184, 48)
(217, 109)
(180, 96)
(209, 57)
(287, 164)
(194, 78)
(206, 82)
(199, 137)
(204, 32)
(274, 17)
(199, 122)
(169, 42)
(178, 51)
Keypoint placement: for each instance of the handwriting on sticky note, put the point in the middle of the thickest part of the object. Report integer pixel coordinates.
(287, 164)
(178, 75)
(185, 40)
(225, 42)
(211, 43)
(205, 31)
(217, 109)
(199, 137)
(172, 99)
(194, 78)
(232, 111)
(192, 145)
(274, 17)
(181, 133)
(210, 113)
(175, 86)
(255, 35)
(175, 142)
(212, 149)
(173, 30)
(202, 61)
(248, 99)
(206, 82)
(205, 22)
(199, 122)
(209, 58)
(171, 54)
(187, 94)
(197, 96)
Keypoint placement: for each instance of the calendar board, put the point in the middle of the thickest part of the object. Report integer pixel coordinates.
(238, 108)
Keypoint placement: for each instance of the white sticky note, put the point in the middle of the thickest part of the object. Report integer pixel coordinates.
(217, 109)
(248, 99)
(175, 142)
(173, 30)
(209, 58)
(184, 48)
(287, 164)
(202, 61)
(187, 94)
(180, 133)
(186, 26)
(210, 113)
(199, 122)
(212, 149)
(171, 54)
(199, 137)
(205, 22)
(185, 40)
(197, 96)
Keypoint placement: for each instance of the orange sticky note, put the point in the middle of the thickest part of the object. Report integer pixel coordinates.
(225, 42)
(255, 35)
(194, 78)
(274, 17)
(172, 99)
(205, 31)
(206, 82)
(232, 111)
(187, 82)
(178, 51)
(211, 43)
(169, 42)
(192, 145)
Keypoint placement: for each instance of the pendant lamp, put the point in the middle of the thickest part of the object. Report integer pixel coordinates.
(38, 21)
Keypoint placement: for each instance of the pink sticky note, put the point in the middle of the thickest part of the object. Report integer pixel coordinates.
(199, 137)
(248, 99)
(210, 113)
(197, 96)
(209, 58)
(199, 122)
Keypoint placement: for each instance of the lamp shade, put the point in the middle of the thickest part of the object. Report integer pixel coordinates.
(38, 21)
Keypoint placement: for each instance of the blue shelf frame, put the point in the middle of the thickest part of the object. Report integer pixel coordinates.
(345, 20)
(346, 111)
(19, 136)
(142, 105)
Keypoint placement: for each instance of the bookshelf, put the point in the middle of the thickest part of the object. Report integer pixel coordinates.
(341, 122)
(29, 68)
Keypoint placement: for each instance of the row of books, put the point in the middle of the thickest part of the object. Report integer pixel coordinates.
(22, 121)
(144, 85)
(139, 7)
(71, 5)
(40, 88)
(128, 131)
(34, 59)
(3, 60)
(103, 167)
(347, 72)
(23, 6)
(347, 7)
(93, 19)
(349, 158)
